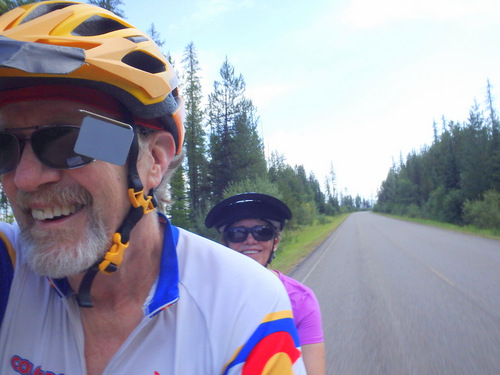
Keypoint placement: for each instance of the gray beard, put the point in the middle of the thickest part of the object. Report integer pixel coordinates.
(55, 254)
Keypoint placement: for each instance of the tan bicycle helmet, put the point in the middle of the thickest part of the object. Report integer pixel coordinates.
(71, 43)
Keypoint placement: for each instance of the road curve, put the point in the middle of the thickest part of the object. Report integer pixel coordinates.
(402, 298)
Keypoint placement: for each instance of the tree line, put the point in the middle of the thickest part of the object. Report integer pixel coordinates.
(456, 179)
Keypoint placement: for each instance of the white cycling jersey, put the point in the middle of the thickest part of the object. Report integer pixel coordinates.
(211, 311)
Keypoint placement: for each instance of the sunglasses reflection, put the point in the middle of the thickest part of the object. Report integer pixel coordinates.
(240, 234)
(52, 145)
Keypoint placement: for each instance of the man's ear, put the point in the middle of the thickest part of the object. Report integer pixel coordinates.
(161, 153)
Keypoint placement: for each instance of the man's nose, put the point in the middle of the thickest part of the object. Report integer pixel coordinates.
(31, 173)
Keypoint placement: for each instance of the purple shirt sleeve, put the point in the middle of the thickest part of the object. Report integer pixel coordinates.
(306, 311)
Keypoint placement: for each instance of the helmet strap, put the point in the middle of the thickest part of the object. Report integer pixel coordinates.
(273, 253)
(141, 205)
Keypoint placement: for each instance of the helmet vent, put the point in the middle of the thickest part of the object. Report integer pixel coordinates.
(143, 61)
(137, 39)
(97, 25)
(43, 9)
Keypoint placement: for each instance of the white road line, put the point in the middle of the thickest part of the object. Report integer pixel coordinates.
(321, 257)
(442, 277)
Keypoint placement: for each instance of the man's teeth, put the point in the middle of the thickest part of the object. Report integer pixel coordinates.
(52, 212)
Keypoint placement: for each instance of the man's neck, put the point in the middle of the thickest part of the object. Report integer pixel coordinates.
(119, 298)
(136, 274)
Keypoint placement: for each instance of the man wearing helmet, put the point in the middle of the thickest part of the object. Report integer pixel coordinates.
(93, 281)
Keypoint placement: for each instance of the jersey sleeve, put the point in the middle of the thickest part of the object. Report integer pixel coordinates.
(310, 326)
(306, 310)
(273, 349)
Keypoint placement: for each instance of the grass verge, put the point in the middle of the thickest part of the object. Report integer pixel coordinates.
(298, 243)
(487, 233)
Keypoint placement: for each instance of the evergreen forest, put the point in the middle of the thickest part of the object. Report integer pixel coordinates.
(454, 180)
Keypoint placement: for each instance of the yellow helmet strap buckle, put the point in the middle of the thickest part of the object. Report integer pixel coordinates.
(141, 205)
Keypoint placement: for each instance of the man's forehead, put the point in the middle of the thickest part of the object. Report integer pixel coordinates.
(65, 93)
(44, 112)
(91, 99)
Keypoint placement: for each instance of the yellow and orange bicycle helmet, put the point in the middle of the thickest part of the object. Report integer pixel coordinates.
(71, 43)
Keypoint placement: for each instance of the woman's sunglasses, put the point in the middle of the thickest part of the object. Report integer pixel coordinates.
(240, 234)
(52, 145)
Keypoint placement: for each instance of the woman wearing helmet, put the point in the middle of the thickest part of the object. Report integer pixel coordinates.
(251, 224)
(91, 129)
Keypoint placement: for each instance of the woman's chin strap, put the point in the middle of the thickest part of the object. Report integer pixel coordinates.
(141, 205)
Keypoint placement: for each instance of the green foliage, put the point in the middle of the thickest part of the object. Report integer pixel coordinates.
(195, 144)
(444, 206)
(178, 210)
(447, 180)
(294, 187)
(305, 213)
(258, 185)
(5, 211)
(236, 151)
(484, 213)
(6, 5)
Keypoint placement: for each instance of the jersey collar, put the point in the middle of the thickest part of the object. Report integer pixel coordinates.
(166, 288)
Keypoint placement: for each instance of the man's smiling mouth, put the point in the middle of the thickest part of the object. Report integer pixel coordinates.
(57, 212)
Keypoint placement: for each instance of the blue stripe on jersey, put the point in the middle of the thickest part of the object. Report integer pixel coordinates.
(6, 274)
(167, 289)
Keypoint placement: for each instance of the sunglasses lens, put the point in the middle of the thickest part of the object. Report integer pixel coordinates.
(240, 234)
(263, 233)
(236, 234)
(54, 146)
(9, 152)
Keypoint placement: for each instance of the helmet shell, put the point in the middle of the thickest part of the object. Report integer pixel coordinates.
(71, 43)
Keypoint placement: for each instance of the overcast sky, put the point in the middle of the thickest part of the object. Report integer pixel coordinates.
(348, 83)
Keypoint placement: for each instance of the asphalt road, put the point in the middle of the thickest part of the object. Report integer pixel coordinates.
(401, 298)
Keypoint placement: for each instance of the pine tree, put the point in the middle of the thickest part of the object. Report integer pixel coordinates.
(178, 209)
(494, 144)
(319, 196)
(195, 135)
(178, 212)
(155, 36)
(236, 151)
(474, 176)
(111, 5)
(247, 147)
(333, 204)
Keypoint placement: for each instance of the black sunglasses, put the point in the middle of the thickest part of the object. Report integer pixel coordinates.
(53, 145)
(240, 234)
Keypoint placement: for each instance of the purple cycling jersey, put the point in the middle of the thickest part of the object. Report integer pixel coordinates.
(306, 311)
